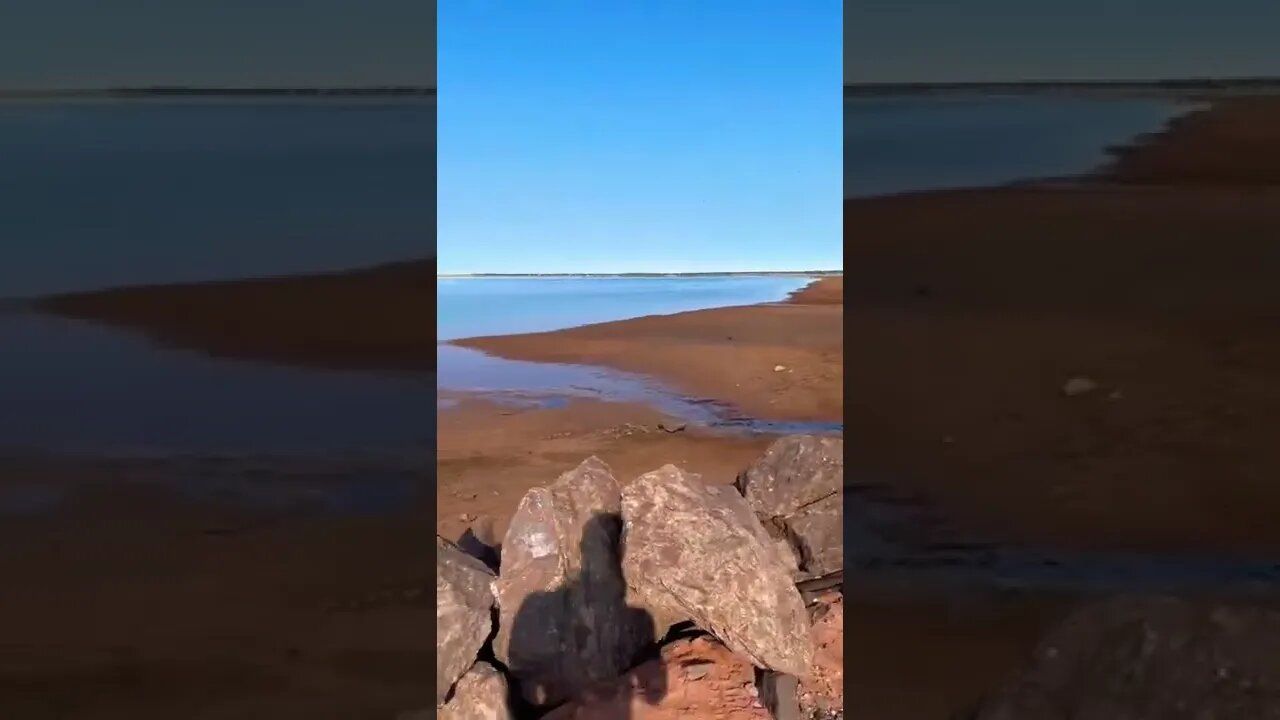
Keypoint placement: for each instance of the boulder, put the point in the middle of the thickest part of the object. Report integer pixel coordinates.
(481, 694)
(797, 491)
(1135, 658)
(697, 551)
(464, 605)
(564, 622)
(816, 535)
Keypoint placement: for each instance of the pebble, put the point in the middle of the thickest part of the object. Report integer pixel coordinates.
(1079, 386)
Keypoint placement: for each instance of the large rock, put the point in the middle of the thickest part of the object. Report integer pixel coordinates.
(564, 621)
(697, 551)
(464, 605)
(1145, 658)
(481, 694)
(797, 491)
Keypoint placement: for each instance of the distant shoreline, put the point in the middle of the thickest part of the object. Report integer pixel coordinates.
(1180, 87)
(390, 91)
(552, 276)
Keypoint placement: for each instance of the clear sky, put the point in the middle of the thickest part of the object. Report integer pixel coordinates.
(98, 43)
(953, 40)
(655, 136)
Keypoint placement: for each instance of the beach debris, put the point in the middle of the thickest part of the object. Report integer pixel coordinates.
(672, 427)
(779, 368)
(694, 677)
(797, 489)
(466, 517)
(480, 694)
(563, 619)
(697, 551)
(464, 601)
(1079, 386)
(1151, 657)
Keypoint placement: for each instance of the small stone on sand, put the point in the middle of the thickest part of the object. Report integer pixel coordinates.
(1079, 386)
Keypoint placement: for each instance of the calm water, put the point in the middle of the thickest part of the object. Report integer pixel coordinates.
(476, 306)
(95, 194)
(107, 193)
(469, 307)
(895, 145)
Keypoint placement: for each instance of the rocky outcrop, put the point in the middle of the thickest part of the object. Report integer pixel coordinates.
(797, 491)
(1143, 658)
(697, 551)
(694, 678)
(564, 622)
(481, 694)
(464, 604)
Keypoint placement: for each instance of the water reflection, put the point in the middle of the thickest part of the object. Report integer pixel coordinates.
(70, 386)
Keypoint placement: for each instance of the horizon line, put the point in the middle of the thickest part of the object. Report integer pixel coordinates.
(642, 273)
(1067, 80)
(178, 89)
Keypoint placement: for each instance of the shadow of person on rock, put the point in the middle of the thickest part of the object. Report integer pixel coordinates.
(577, 641)
(482, 545)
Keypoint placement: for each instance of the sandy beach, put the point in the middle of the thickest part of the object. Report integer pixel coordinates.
(1154, 279)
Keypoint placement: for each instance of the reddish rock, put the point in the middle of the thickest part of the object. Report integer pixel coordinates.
(480, 694)
(697, 551)
(695, 679)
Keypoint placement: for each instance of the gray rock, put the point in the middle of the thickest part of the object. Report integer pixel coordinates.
(481, 694)
(697, 551)
(464, 604)
(816, 534)
(564, 622)
(797, 490)
(1144, 658)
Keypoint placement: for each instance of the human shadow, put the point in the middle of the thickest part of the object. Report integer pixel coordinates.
(577, 641)
(482, 544)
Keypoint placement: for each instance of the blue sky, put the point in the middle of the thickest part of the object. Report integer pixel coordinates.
(665, 135)
(949, 40)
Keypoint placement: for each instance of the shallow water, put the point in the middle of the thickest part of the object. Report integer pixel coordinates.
(110, 193)
(69, 386)
(482, 306)
(895, 145)
(99, 194)
(889, 538)
(472, 307)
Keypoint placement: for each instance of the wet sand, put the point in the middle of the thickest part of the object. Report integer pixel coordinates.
(731, 355)
(377, 318)
(972, 309)
(124, 601)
